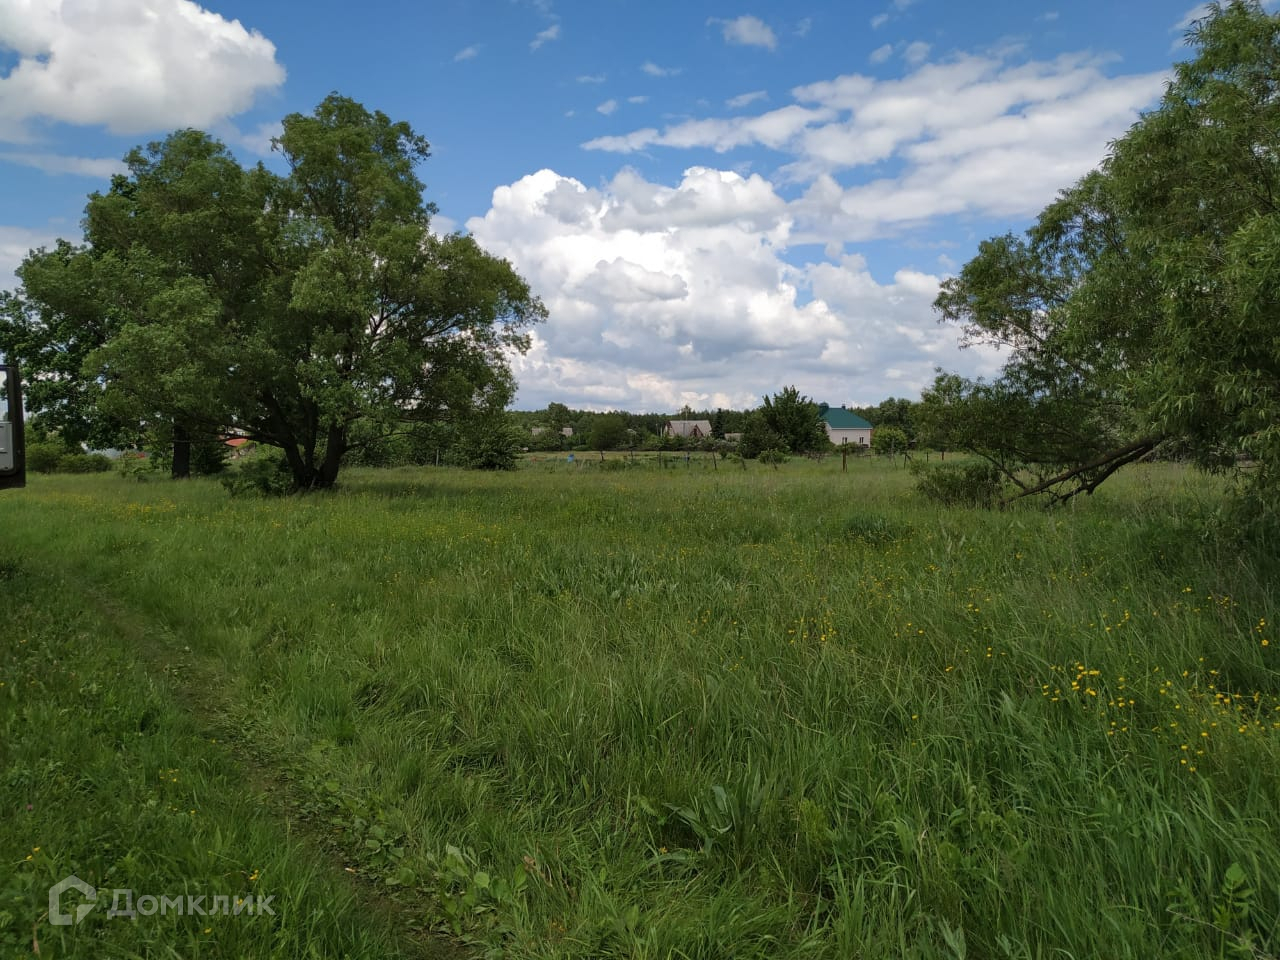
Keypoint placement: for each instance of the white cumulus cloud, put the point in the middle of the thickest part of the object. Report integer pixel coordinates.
(707, 291)
(15, 244)
(974, 134)
(745, 99)
(654, 70)
(746, 31)
(100, 167)
(129, 65)
(916, 53)
(661, 296)
(545, 36)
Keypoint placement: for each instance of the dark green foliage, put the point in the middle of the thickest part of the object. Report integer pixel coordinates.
(265, 474)
(889, 441)
(895, 412)
(796, 420)
(84, 463)
(546, 440)
(773, 456)
(52, 456)
(486, 443)
(49, 326)
(971, 483)
(757, 437)
(383, 451)
(608, 433)
(210, 458)
(43, 456)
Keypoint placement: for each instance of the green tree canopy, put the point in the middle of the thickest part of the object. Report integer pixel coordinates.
(50, 325)
(889, 440)
(609, 432)
(1140, 307)
(795, 419)
(287, 308)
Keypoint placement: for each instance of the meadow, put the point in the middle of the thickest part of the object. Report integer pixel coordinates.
(583, 712)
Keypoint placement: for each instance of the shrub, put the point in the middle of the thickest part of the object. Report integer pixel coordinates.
(53, 457)
(264, 475)
(44, 457)
(774, 456)
(488, 443)
(134, 465)
(973, 483)
(84, 463)
(210, 458)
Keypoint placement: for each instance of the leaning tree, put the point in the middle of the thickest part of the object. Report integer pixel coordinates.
(1139, 309)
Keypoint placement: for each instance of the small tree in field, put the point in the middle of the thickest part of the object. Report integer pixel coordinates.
(774, 457)
(888, 441)
(609, 432)
(796, 420)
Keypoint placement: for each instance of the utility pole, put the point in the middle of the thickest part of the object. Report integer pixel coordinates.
(13, 453)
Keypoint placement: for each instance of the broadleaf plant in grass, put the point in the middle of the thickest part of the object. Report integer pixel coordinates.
(287, 309)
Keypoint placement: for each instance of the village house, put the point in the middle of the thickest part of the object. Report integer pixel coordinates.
(694, 429)
(845, 426)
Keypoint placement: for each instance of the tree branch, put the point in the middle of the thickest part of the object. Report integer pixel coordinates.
(1112, 461)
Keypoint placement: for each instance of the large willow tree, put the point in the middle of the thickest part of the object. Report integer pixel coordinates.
(1142, 308)
(311, 311)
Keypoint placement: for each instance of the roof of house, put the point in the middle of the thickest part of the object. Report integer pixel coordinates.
(838, 418)
(685, 428)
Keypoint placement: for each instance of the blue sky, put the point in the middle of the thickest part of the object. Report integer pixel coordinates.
(714, 199)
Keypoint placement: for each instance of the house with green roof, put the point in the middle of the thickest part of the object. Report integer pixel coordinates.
(845, 426)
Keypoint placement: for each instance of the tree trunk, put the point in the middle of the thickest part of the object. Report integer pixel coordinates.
(181, 452)
(335, 446)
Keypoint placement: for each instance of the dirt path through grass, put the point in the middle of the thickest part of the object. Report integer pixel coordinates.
(154, 712)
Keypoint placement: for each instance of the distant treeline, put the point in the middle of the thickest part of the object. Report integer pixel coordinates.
(621, 430)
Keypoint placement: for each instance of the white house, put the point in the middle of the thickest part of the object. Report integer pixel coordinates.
(845, 426)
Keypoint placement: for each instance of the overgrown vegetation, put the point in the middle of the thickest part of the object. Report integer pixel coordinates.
(969, 483)
(754, 714)
(50, 456)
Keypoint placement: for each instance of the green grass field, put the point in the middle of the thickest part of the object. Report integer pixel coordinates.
(578, 712)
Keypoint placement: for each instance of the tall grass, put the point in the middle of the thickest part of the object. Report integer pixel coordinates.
(579, 712)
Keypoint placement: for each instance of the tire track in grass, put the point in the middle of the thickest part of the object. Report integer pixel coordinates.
(192, 687)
